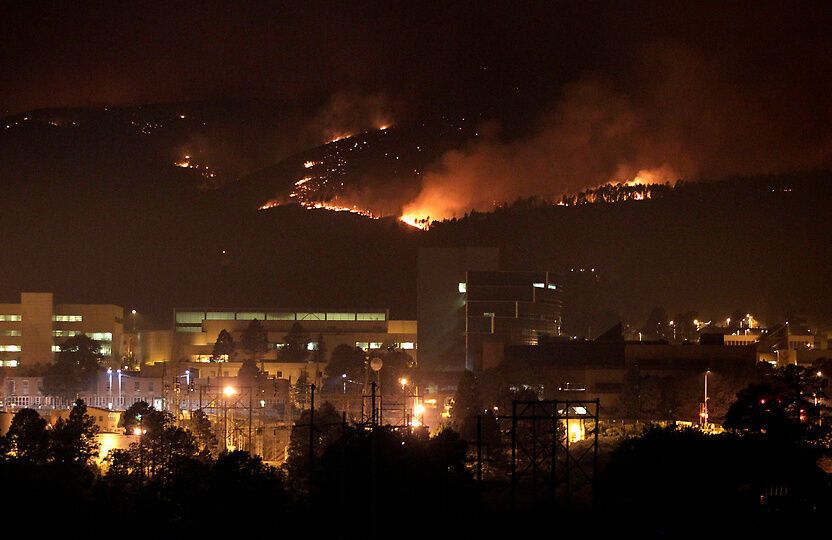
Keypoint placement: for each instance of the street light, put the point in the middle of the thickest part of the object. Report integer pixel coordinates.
(228, 391)
(403, 382)
(705, 403)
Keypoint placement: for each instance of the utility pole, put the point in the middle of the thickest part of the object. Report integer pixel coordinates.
(311, 432)
(311, 456)
(373, 470)
(479, 451)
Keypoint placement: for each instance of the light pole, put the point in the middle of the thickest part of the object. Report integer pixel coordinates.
(133, 341)
(228, 391)
(817, 408)
(110, 388)
(403, 382)
(705, 402)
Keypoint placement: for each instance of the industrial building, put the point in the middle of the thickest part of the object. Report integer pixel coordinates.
(32, 331)
(195, 331)
(588, 370)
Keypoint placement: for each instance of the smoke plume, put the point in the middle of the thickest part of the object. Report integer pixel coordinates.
(681, 115)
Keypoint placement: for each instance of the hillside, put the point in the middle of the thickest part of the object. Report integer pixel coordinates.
(96, 210)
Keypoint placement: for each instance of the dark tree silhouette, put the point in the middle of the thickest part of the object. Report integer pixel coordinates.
(788, 403)
(327, 429)
(255, 340)
(346, 360)
(201, 427)
(296, 344)
(132, 417)
(27, 439)
(72, 440)
(74, 369)
(467, 402)
(223, 347)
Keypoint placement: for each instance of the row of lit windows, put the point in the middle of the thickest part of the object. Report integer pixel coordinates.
(106, 349)
(97, 336)
(9, 348)
(545, 286)
(10, 333)
(8, 363)
(405, 345)
(55, 318)
(195, 317)
(368, 344)
(67, 318)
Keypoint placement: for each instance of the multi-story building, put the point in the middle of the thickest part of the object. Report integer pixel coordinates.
(508, 308)
(112, 390)
(468, 309)
(32, 331)
(196, 330)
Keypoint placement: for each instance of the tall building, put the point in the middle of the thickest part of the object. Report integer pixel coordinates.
(32, 331)
(440, 302)
(468, 309)
(508, 308)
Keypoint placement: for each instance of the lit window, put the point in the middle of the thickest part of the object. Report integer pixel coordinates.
(463, 287)
(9, 348)
(189, 329)
(408, 345)
(370, 316)
(250, 316)
(362, 345)
(552, 286)
(280, 316)
(192, 317)
(56, 348)
(9, 318)
(539, 285)
(219, 316)
(106, 349)
(10, 333)
(375, 344)
(340, 316)
(312, 346)
(65, 333)
(311, 316)
(100, 336)
(68, 318)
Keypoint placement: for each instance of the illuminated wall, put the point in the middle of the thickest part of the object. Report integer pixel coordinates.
(32, 331)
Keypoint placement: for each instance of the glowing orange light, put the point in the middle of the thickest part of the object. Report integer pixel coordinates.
(414, 221)
(340, 137)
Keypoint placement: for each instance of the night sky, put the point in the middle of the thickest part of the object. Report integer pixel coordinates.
(504, 61)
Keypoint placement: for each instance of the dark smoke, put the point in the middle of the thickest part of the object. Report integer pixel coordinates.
(681, 115)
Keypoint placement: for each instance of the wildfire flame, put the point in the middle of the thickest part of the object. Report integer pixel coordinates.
(333, 207)
(340, 137)
(415, 221)
(310, 164)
